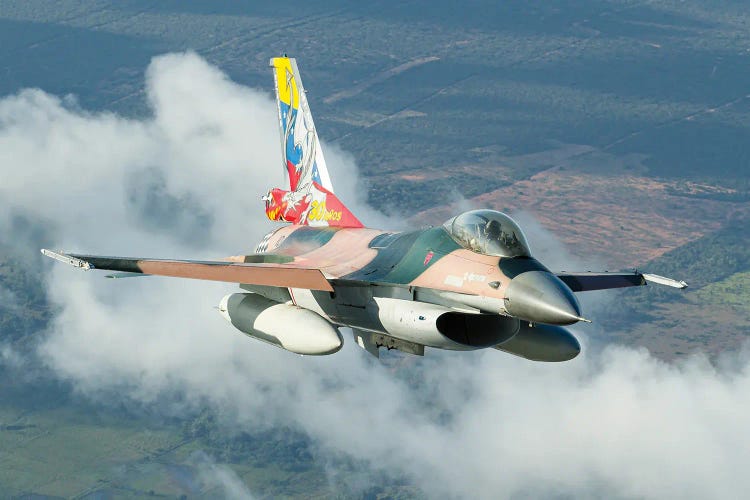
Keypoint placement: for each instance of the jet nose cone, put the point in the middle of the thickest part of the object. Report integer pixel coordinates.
(541, 297)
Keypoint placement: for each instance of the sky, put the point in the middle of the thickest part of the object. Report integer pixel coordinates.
(186, 182)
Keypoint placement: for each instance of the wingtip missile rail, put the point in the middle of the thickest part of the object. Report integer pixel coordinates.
(67, 259)
(661, 280)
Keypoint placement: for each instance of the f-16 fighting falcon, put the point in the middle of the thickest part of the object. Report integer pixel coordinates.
(470, 283)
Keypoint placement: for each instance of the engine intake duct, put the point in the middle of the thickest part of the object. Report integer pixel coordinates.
(477, 330)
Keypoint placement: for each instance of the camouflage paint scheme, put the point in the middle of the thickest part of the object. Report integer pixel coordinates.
(423, 258)
(468, 284)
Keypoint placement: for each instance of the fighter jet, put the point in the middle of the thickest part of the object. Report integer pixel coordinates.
(470, 283)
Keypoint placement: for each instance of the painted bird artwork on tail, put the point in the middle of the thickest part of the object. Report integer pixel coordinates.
(310, 200)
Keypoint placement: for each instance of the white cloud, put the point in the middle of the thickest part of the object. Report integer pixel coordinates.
(219, 479)
(8, 299)
(617, 424)
(9, 357)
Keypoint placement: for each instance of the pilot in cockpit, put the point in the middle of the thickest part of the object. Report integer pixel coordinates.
(493, 230)
(488, 232)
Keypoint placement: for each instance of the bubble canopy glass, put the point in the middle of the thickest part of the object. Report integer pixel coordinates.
(488, 232)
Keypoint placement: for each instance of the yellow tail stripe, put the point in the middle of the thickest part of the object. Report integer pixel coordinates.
(285, 81)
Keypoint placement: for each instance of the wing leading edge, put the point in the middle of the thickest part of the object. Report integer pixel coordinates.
(281, 275)
(584, 282)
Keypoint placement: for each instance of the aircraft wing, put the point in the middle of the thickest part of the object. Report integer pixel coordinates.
(583, 282)
(282, 275)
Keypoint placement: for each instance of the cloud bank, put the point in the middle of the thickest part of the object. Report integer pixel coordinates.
(186, 182)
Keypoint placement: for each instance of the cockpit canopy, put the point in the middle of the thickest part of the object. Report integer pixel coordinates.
(488, 232)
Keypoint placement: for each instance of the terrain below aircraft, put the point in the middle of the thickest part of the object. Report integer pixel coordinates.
(471, 283)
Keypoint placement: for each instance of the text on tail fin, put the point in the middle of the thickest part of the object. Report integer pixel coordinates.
(317, 208)
(310, 199)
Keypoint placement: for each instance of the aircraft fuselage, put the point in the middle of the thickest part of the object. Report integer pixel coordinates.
(418, 287)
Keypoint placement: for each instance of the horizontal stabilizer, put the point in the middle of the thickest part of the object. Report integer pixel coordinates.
(583, 282)
(282, 275)
(120, 276)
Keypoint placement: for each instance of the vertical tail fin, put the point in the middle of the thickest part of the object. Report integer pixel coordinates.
(310, 199)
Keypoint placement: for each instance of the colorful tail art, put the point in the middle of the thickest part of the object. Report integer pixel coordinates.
(310, 200)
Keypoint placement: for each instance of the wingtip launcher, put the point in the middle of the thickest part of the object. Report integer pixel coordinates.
(661, 280)
(67, 259)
